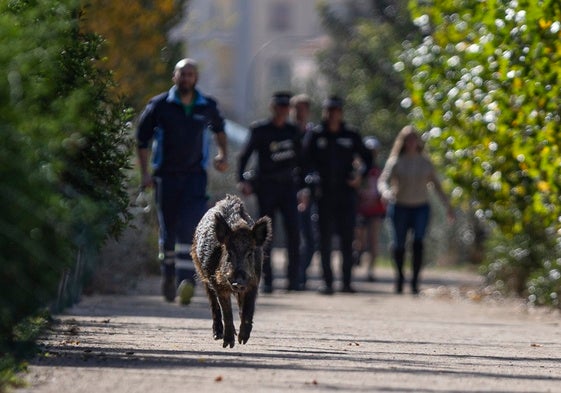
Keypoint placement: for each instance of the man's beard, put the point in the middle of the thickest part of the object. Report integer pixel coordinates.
(184, 90)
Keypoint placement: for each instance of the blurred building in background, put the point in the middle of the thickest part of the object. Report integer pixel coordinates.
(249, 48)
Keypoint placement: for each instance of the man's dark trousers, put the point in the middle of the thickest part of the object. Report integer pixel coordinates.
(337, 216)
(181, 202)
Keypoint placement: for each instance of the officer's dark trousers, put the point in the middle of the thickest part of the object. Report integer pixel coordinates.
(181, 202)
(281, 196)
(308, 243)
(337, 210)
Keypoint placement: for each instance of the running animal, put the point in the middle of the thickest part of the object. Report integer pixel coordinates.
(228, 254)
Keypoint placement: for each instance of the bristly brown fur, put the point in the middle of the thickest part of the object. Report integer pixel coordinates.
(228, 253)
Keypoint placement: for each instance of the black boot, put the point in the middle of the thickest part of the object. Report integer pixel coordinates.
(267, 273)
(417, 265)
(168, 286)
(399, 255)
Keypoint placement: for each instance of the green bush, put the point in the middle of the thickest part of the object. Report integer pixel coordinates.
(484, 86)
(544, 285)
(512, 260)
(64, 152)
(525, 267)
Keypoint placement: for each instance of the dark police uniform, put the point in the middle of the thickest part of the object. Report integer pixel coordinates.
(276, 183)
(331, 155)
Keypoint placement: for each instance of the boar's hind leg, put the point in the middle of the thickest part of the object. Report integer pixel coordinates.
(217, 327)
(246, 303)
(229, 329)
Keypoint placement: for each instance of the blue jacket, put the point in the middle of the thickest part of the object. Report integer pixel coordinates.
(180, 140)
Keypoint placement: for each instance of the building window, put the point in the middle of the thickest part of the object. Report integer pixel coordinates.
(280, 74)
(280, 16)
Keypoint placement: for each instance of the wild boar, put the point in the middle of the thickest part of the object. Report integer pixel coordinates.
(228, 253)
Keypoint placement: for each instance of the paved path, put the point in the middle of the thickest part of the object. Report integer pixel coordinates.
(448, 339)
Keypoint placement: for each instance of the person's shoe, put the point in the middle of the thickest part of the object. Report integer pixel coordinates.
(325, 290)
(268, 289)
(185, 292)
(399, 285)
(294, 288)
(348, 289)
(414, 290)
(168, 288)
(371, 277)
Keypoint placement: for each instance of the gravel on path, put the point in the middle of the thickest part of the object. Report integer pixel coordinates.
(450, 338)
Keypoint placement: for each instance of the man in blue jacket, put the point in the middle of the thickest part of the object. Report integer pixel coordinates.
(178, 123)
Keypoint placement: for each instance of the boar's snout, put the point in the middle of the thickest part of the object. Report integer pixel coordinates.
(239, 281)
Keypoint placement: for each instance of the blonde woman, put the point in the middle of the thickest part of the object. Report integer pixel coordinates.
(403, 185)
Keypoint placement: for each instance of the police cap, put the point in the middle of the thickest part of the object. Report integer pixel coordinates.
(281, 98)
(333, 102)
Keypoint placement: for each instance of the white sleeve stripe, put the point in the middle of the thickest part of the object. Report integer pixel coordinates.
(182, 247)
(184, 264)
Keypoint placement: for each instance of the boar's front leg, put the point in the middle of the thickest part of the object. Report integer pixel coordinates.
(229, 329)
(246, 304)
(217, 327)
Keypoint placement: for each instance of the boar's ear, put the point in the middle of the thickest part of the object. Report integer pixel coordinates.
(262, 230)
(221, 228)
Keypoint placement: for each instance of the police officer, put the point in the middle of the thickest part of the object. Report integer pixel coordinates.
(276, 181)
(307, 212)
(332, 149)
